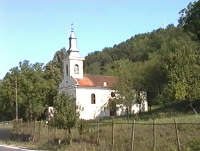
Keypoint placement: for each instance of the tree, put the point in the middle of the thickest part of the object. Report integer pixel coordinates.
(66, 115)
(150, 77)
(37, 86)
(53, 76)
(190, 18)
(32, 91)
(183, 69)
(7, 103)
(124, 87)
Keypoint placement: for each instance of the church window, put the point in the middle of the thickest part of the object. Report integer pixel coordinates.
(76, 69)
(93, 98)
(112, 94)
(67, 70)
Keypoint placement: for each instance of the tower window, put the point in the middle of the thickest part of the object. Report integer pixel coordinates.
(67, 70)
(93, 99)
(76, 69)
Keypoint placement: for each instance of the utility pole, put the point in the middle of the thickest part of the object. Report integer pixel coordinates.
(16, 103)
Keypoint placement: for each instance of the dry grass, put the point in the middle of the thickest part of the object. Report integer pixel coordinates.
(38, 136)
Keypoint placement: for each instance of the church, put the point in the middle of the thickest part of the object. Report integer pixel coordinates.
(91, 92)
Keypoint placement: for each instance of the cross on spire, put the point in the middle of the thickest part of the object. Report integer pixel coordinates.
(72, 27)
(72, 40)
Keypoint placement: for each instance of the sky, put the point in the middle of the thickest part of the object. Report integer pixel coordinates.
(35, 29)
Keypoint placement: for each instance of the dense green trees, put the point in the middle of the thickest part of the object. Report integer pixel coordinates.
(182, 66)
(31, 87)
(36, 85)
(190, 18)
(53, 74)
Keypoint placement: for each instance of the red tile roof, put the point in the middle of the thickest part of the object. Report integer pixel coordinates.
(96, 81)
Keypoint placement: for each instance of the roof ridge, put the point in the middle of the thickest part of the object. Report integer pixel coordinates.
(97, 80)
(99, 75)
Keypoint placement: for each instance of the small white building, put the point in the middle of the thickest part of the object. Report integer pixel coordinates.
(91, 92)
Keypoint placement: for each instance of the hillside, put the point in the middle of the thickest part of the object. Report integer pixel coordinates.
(141, 47)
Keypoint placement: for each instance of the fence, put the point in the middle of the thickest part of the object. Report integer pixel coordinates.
(5, 123)
(134, 136)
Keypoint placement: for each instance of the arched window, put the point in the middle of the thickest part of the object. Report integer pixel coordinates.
(112, 94)
(67, 70)
(76, 69)
(93, 99)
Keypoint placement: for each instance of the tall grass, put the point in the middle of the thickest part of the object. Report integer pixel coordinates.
(37, 135)
(40, 136)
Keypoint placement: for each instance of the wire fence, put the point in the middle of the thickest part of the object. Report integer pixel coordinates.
(112, 135)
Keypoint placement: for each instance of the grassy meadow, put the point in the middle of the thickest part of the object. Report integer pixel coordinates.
(160, 137)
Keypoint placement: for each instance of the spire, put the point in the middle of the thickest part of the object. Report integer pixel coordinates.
(72, 28)
(72, 40)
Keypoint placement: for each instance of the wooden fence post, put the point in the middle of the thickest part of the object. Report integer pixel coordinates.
(133, 135)
(113, 142)
(154, 135)
(97, 132)
(54, 133)
(48, 132)
(34, 131)
(39, 130)
(22, 130)
(28, 124)
(177, 136)
(18, 127)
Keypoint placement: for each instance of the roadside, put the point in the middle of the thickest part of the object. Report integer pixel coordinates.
(12, 148)
(5, 134)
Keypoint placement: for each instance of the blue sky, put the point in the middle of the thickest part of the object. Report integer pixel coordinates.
(35, 29)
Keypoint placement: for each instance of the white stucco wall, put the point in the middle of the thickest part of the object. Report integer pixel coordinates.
(88, 110)
(99, 109)
(91, 111)
(136, 108)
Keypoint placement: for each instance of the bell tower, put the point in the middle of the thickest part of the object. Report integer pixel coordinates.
(73, 64)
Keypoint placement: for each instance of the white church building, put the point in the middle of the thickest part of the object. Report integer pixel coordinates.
(91, 92)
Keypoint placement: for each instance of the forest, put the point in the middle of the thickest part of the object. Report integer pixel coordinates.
(165, 63)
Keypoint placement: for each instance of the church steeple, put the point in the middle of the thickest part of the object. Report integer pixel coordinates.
(73, 64)
(72, 40)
